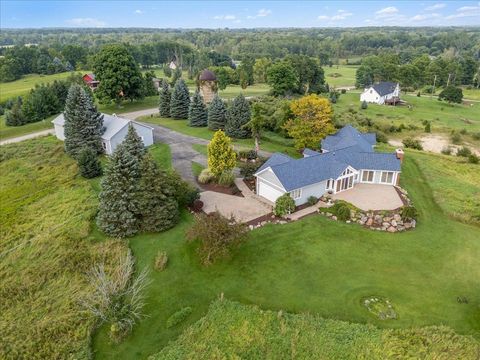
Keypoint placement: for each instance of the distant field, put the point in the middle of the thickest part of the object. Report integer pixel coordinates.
(340, 75)
(443, 116)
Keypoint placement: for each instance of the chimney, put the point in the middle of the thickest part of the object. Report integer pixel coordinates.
(399, 153)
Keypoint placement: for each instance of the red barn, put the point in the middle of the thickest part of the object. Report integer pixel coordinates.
(89, 79)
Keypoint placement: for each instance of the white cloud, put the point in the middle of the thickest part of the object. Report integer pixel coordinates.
(465, 11)
(422, 17)
(435, 6)
(225, 17)
(86, 22)
(138, 12)
(387, 11)
(468, 8)
(340, 15)
(260, 13)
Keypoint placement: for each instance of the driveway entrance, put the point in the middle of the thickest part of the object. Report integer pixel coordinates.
(371, 197)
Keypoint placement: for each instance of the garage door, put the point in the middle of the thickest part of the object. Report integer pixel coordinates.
(268, 192)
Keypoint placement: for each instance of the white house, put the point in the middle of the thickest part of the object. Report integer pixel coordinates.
(115, 130)
(381, 93)
(348, 158)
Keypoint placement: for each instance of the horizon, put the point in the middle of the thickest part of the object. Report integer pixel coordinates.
(214, 15)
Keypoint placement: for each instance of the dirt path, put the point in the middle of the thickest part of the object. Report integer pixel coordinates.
(27, 137)
(436, 143)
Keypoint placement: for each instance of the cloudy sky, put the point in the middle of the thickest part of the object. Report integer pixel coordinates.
(236, 14)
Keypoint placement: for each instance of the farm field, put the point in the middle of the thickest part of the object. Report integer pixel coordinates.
(280, 271)
(443, 117)
(340, 75)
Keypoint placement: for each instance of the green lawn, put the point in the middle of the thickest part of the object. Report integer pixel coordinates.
(473, 94)
(318, 266)
(253, 333)
(278, 144)
(7, 132)
(340, 75)
(443, 116)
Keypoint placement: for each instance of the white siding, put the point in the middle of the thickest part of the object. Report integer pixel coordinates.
(144, 132)
(59, 132)
(371, 96)
(316, 190)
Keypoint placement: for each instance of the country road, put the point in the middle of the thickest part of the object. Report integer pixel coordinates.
(27, 137)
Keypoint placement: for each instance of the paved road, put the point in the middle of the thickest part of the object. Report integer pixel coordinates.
(28, 136)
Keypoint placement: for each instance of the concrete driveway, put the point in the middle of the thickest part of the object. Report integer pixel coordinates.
(371, 197)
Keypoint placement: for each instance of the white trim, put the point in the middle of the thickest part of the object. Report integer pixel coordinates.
(366, 181)
(387, 182)
(296, 194)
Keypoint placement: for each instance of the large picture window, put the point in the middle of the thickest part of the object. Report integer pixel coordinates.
(387, 177)
(367, 176)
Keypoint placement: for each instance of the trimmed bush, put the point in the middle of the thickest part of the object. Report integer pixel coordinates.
(364, 105)
(161, 261)
(464, 152)
(312, 200)
(342, 210)
(284, 205)
(205, 176)
(178, 317)
(409, 212)
(226, 178)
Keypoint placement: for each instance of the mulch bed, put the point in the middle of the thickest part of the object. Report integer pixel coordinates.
(267, 217)
(250, 184)
(229, 190)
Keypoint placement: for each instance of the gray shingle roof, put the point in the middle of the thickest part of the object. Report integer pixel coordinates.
(310, 152)
(348, 136)
(385, 87)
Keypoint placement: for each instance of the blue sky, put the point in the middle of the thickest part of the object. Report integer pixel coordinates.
(236, 14)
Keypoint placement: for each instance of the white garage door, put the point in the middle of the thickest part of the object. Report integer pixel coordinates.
(268, 192)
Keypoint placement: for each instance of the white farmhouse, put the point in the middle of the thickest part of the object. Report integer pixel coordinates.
(115, 130)
(382, 93)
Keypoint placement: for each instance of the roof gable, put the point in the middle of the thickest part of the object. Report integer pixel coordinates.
(385, 87)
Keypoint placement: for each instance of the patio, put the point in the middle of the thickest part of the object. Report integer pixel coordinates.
(371, 197)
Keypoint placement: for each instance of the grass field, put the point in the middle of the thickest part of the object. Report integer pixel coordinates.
(7, 132)
(252, 333)
(443, 116)
(321, 267)
(340, 75)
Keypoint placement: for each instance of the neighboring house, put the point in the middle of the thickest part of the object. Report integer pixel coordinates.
(89, 79)
(115, 130)
(382, 93)
(347, 158)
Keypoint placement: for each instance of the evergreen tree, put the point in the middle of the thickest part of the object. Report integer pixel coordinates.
(134, 144)
(119, 206)
(221, 156)
(164, 103)
(158, 206)
(88, 163)
(238, 115)
(83, 123)
(180, 100)
(217, 114)
(177, 74)
(197, 113)
(14, 116)
(149, 88)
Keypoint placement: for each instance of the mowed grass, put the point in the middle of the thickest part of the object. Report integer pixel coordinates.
(252, 333)
(340, 75)
(46, 248)
(443, 116)
(7, 132)
(321, 267)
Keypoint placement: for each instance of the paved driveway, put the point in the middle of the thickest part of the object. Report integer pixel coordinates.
(371, 197)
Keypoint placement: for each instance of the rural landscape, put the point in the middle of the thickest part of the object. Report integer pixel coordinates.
(240, 180)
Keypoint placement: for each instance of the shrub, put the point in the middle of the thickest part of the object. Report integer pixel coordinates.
(248, 169)
(205, 176)
(226, 178)
(185, 193)
(343, 91)
(221, 156)
(217, 235)
(412, 143)
(284, 205)
(473, 159)
(408, 212)
(463, 131)
(178, 317)
(447, 150)
(247, 154)
(312, 200)
(364, 105)
(428, 127)
(341, 210)
(88, 163)
(381, 137)
(161, 261)
(464, 151)
(476, 136)
(456, 138)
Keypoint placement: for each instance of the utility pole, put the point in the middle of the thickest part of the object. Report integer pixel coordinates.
(433, 89)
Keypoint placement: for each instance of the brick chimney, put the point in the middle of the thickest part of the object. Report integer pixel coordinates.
(399, 153)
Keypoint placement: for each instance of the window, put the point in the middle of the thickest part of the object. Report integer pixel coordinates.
(371, 91)
(296, 194)
(387, 177)
(367, 176)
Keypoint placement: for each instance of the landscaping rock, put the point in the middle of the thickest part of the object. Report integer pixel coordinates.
(397, 217)
(251, 227)
(394, 223)
(407, 225)
(369, 222)
(392, 229)
(385, 224)
(414, 223)
(334, 218)
(378, 219)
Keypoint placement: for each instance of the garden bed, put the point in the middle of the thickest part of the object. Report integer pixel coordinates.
(229, 190)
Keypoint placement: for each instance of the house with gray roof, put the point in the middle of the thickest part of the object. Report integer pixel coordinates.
(347, 158)
(115, 129)
(384, 92)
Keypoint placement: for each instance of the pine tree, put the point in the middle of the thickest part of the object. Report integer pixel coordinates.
(158, 206)
(180, 100)
(83, 123)
(217, 113)
(164, 102)
(134, 144)
(119, 206)
(221, 156)
(238, 115)
(88, 163)
(197, 112)
(14, 116)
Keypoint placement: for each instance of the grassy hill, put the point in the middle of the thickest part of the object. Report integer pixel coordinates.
(232, 330)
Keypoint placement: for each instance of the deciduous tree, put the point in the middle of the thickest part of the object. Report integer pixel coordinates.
(451, 94)
(282, 78)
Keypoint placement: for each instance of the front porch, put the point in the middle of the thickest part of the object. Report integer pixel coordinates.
(371, 197)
